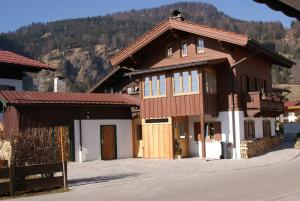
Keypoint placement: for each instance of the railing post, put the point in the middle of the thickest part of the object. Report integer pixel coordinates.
(12, 180)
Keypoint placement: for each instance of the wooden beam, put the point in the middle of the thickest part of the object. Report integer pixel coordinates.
(202, 120)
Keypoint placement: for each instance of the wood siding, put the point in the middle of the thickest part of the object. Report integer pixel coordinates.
(158, 140)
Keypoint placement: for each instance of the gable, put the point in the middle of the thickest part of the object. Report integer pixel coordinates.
(171, 25)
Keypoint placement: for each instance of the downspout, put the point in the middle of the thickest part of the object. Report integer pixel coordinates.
(80, 138)
(232, 67)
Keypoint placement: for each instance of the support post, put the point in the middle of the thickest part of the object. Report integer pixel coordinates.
(202, 120)
(62, 158)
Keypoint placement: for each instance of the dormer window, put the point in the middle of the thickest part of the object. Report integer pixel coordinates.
(200, 45)
(184, 49)
(169, 50)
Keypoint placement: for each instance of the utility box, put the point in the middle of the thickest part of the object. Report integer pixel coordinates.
(226, 148)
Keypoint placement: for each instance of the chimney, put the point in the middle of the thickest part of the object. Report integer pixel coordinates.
(178, 14)
(59, 83)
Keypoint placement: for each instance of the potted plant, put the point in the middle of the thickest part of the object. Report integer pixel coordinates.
(178, 150)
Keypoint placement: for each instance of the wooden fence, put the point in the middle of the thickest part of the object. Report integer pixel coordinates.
(32, 178)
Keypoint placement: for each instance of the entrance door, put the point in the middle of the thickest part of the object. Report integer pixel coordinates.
(108, 142)
(139, 141)
(181, 136)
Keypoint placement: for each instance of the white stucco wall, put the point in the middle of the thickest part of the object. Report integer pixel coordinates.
(227, 129)
(195, 148)
(18, 84)
(91, 146)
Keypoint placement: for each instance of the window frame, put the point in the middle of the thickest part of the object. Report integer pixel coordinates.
(214, 88)
(190, 89)
(158, 84)
(267, 128)
(170, 45)
(181, 48)
(249, 123)
(199, 51)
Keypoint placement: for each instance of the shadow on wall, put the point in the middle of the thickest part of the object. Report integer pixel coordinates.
(100, 179)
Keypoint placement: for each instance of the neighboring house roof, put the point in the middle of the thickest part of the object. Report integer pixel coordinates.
(289, 7)
(218, 34)
(292, 104)
(7, 57)
(32, 98)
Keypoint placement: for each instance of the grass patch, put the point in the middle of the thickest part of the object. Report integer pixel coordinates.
(37, 193)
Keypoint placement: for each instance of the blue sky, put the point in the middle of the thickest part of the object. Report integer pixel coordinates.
(16, 13)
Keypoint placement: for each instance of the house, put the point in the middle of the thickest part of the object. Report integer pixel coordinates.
(291, 118)
(99, 125)
(13, 67)
(190, 78)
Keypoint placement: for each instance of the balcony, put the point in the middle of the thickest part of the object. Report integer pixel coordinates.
(256, 104)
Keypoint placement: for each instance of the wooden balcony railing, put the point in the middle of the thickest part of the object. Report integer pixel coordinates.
(256, 104)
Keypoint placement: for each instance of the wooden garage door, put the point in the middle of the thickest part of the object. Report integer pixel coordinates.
(108, 142)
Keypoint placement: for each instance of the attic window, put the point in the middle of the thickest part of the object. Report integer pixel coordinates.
(200, 45)
(169, 50)
(184, 49)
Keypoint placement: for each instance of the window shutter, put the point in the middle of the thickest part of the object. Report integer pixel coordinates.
(217, 130)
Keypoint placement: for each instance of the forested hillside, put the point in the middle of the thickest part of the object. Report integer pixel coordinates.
(81, 48)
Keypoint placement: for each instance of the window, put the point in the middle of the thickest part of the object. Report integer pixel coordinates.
(210, 83)
(249, 129)
(186, 82)
(162, 85)
(213, 131)
(184, 49)
(147, 87)
(200, 45)
(195, 81)
(177, 85)
(181, 126)
(155, 86)
(266, 128)
(169, 50)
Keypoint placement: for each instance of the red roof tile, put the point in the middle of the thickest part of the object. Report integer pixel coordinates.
(292, 103)
(28, 97)
(13, 58)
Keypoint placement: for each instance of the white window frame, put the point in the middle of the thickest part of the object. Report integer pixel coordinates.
(183, 54)
(190, 91)
(169, 46)
(158, 91)
(198, 50)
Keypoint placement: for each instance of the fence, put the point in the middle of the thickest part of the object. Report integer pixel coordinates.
(32, 178)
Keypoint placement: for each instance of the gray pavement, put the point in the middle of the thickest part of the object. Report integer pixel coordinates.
(272, 176)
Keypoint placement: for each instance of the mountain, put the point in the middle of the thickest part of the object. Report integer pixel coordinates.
(81, 48)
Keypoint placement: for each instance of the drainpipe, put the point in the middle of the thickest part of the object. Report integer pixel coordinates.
(232, 67)
(80, 140)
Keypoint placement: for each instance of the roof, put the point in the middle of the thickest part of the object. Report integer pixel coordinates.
(292, 104)
(288, 7)
(8, 57)
(218, 34)
(32, 98)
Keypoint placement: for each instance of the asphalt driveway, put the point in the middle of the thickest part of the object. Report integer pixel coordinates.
(132, 170)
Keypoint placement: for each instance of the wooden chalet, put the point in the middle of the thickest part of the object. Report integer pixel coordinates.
(189, 79)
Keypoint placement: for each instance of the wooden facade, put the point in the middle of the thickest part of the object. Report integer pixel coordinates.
(226, 60)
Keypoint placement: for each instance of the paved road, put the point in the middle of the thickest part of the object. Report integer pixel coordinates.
(274, 182)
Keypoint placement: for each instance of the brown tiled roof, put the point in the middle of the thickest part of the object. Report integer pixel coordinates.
(27, 97)
(292, 103)
(13, 58)
(218, 34)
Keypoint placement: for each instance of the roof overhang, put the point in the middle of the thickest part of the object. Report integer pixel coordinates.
(174, 67)
(217, 34)
(290, 8)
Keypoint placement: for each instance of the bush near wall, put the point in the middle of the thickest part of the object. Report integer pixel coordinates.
(252, 148)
